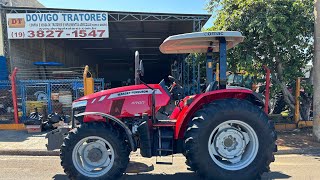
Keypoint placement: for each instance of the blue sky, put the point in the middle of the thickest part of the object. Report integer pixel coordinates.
(167, 6)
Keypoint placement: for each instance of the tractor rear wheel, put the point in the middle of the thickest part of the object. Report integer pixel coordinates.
(94, 151)
(230, 139)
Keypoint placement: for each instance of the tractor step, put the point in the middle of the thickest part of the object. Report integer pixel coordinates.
(165, 135)
(166, 160)
(164, 163)
(165, 123)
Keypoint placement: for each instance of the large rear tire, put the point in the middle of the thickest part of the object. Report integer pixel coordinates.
(94, 151)
(230, 139)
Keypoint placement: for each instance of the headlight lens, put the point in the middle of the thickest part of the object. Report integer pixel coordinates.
(79, 104)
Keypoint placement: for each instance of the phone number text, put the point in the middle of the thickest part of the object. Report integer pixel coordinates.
(60, 34)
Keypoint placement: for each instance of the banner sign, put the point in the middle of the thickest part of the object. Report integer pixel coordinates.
(57, 25)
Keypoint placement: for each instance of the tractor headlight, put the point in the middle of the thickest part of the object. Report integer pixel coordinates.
(79, 104)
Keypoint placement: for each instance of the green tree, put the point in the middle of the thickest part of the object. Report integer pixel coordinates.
(278, 33)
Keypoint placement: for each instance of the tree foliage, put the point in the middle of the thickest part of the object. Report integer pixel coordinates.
(278, 33)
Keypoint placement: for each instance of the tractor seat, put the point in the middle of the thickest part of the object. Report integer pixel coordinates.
(212, 86)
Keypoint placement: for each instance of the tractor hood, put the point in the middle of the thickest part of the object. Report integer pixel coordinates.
(120, 91)
(127, 101)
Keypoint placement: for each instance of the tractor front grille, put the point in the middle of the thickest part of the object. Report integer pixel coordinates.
(75, 111)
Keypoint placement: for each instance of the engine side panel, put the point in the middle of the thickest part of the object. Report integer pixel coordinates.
(126, 101)
(186, 112)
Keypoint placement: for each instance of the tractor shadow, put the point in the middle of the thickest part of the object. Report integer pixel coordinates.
(184, 176)
(193, 176)
(274, 175)
(138, 167)
(142, 171)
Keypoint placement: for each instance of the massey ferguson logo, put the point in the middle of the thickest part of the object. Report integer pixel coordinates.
(16, 22)
(132, 92)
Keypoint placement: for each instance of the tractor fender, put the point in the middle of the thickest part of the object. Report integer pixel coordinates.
(187, 111)
(116, 120)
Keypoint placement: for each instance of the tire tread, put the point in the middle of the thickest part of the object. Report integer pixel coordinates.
(99, 129)
(200, 119)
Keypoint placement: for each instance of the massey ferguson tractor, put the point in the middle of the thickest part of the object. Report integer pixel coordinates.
(223, 132)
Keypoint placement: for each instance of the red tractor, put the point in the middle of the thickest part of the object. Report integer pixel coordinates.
(223, 132)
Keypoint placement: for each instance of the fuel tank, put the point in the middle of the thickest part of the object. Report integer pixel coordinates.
(127, 101)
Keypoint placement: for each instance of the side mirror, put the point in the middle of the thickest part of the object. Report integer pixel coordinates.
(136, 68)
(139, 70)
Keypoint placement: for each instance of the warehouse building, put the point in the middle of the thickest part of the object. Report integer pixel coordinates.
(112, 57)
(50, 48)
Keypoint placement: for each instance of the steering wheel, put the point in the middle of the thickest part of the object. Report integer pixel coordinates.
(175, 89)
(175, 81)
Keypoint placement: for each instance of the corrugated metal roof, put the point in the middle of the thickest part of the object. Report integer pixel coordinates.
(22, 3)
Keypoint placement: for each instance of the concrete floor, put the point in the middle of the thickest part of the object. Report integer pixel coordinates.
(21, 140)
(42, 168)
(13, 140)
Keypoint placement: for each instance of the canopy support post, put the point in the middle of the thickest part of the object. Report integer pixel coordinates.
(209, 66)
(222, 63)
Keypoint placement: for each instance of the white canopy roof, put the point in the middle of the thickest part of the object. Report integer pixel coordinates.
(199, 42)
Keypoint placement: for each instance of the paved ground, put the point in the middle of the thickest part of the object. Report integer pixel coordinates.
(299, 138)
(43, 168)
(21, 140)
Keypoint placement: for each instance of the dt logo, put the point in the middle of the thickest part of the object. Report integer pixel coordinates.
(16, 22)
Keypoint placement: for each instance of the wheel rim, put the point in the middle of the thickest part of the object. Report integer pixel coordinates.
(93, 156)
(233, 145)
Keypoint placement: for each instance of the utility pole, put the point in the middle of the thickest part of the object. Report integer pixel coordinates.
(316, 72)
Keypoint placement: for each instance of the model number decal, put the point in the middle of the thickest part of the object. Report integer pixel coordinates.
(133, 92)
(138, 102)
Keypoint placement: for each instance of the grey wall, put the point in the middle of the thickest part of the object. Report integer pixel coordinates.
(24, 53)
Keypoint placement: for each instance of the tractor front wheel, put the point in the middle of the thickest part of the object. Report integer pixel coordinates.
(230, 139)
(94, 151)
